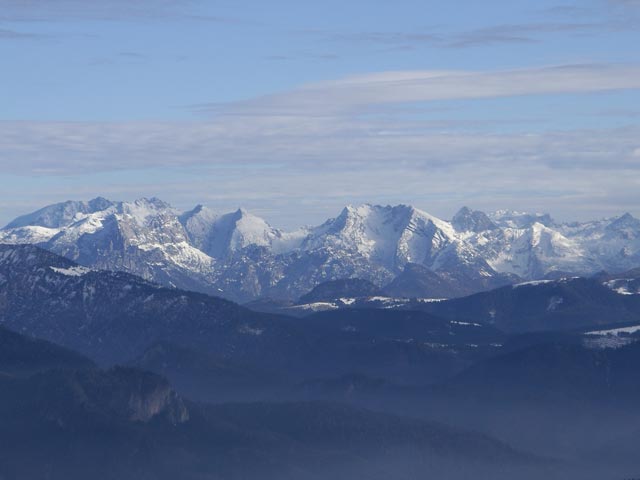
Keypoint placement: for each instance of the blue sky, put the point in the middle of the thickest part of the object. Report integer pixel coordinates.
(293, 108)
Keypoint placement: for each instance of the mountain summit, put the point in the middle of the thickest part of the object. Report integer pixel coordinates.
(467, 220)
(240, 256)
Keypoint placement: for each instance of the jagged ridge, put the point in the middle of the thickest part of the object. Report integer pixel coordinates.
(241, 257)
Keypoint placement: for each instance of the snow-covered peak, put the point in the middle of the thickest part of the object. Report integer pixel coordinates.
(389, 235)
(239, 252)
(250, 229)
(144, 209)
(467, 220)
(141, 222)
(198, 224)
(222, 235)
(60, 214)
(626, 225)
(514, 219)
(379, 217)
(144, 237)
(28, 235)
(443, 225)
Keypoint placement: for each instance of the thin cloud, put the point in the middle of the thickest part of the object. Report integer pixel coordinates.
(518, 33)
(387, 38)
(487, 38)
(625, 3)
(297, 145)
(15, 35)
(571, 11)
(107, 10)
(135, 55)
(358, 93)
(490, 35)
(625, 12)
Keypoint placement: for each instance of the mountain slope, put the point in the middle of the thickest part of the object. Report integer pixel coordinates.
(346, 288)
(114, 316)
(21, 355)
(557, 395)
(543, 305)
(61, 214)
(143, 237)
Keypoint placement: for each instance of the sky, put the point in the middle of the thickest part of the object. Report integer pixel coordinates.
(293, 109)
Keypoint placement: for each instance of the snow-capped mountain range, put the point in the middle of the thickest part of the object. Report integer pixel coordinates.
(240, 256)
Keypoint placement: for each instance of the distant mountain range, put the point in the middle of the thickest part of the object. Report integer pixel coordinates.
(241, 257)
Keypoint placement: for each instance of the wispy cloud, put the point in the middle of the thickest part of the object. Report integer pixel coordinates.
(626, 3)
(130, 58)
(386, 38)
(108, 10)
(577, 20)
(625, 12)
(571, 11)
(490, 35)
(628, 113)
(135, 55)
(304, 55)
(15, 35)
(518, 33)
(77, 148)
(358, 93)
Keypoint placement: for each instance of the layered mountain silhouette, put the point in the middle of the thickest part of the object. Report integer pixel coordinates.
(63, 418)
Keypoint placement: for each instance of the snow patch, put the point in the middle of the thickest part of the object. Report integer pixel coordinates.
(316, 306)
(348, 301)
(532, 283)
(388, 300)
(616, 331)
(607, 341)
(554, 302)
(28, 234)
(76, 271)
(622, 286)
(247, 330)
(611, 338)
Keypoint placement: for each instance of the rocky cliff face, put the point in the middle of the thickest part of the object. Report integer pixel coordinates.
(120, 394)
